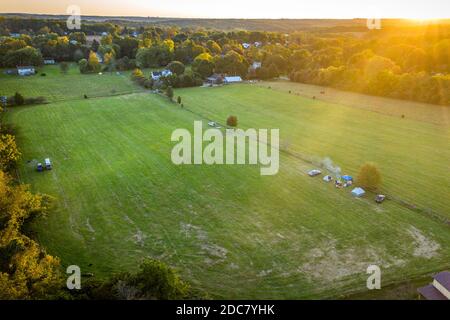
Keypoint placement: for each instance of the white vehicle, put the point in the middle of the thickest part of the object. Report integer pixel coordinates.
(314, 173)
(212, 124)
(327, 178)
(48, 164)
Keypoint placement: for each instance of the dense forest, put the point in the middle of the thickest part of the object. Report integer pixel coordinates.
(404, 60)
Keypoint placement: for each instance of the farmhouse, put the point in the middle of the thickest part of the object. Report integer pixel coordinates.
(439, 289)
(25, 70)
(234, 79)
(156, 75)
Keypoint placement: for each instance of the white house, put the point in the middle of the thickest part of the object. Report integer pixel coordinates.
(439, 289)
(256, 65)
(246, 45)
(156, 75)
(234, 79)
(258, 44)
(25, 70)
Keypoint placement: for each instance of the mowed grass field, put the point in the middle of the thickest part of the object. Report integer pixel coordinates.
(231, 232)
(56, 86)
(413, 155)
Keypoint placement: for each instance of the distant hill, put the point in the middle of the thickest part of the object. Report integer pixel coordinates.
(278, 25)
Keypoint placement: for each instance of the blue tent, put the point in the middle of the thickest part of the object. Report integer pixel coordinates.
(347, 178)
(358, 192)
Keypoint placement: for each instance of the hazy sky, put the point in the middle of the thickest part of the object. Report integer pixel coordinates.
(240, 8)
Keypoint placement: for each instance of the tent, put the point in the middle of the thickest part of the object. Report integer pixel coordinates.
(358, 192)
(347, 178)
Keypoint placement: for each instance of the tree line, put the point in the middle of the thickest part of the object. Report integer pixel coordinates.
(406, 63)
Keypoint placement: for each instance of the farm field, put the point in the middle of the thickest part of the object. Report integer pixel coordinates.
(231, 232)
(412, 155)
(73, 85)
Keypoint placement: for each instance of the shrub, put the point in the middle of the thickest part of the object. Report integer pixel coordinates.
(232, 121)
(179, 100)
(169, 92)
(369, 177)
(18, 99)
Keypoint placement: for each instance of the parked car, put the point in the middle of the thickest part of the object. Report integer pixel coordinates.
(314, 173)
(39, 167)
(48, 164)
(380, 198)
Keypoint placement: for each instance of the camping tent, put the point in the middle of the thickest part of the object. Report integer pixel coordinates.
(347, 178)
(358, 192)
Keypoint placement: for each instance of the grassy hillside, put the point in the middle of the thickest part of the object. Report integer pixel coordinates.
(231, 231)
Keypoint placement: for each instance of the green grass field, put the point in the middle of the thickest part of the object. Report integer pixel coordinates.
(230, 231)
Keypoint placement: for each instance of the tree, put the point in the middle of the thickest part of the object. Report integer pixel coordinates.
(93, 62)
(26, 270)
(9, 153)
(232, 121)
(176, 67)
(369, 177)
(203, 65)
(169, 92)
(26, 56)
(18, 99)
(64, 66)
(83, 65)
(153, 281)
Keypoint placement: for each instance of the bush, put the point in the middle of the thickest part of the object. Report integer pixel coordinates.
(18, 99)
(369, 177)
(169, 92)
(232, 121)
(179, 100)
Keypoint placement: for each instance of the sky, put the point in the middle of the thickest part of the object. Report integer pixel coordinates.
(339, 9)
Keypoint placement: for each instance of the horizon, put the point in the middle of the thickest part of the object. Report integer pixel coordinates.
(207, 9)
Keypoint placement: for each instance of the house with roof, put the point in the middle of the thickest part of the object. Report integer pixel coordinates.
(439, 289)
(25, 70)
(246, 45)
(156, 75)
